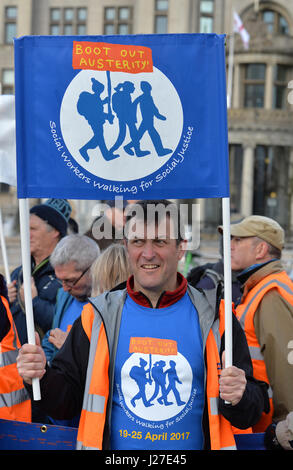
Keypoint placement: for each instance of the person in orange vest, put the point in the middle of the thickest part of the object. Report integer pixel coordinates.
(15, 403)
(108, 365)
(266, 309)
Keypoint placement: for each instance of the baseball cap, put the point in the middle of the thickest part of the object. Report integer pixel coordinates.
(259, 226)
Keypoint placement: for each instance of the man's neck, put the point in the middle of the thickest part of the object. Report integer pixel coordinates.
(42, 255)
(155, 294)
(165, 298)
(246, 273)
(39, 258)
(153, 297)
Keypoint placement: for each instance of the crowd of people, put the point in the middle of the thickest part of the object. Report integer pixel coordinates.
(125, 344)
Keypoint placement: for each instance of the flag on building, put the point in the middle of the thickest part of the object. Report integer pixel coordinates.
(141, 116)
(239, 28)
(7, 140)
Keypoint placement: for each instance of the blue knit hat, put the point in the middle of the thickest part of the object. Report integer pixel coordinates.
(55, 212)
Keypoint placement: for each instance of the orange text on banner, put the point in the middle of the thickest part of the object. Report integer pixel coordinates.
(165, 347)
(111, 57)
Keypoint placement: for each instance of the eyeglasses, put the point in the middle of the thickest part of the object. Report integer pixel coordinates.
(73, 283)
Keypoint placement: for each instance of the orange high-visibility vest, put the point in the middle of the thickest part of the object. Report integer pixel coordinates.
(245, 313)
(221, 431)
(93, 415)
(15, 403)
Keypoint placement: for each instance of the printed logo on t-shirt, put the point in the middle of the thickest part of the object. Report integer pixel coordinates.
(156, 380)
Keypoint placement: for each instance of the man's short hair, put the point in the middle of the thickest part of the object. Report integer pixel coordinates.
(77, 248)
(272, 250)
(153, 212)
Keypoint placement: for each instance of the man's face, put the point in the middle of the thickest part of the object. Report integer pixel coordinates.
(243, 252)
(68, 275)
(42, 239)
(154, 258)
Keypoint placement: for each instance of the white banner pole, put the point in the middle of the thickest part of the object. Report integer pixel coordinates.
(26, 269)
(227, 281)
(3, 249)
(226, 226)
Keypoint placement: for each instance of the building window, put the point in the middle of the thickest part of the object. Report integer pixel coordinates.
(10, 28)
(118, 20)
(280, 87)
(68, 21)
(275, 23)
(271, 181)
(206, 16)
(81, 21)
(235, 166)
(4, 188)
(161, 16)
(254, 85)
(7, 80)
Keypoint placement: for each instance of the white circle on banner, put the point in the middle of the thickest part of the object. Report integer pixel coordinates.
(159, 396)
(77, 132)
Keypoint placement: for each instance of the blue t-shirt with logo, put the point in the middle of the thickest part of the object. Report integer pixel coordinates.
(71, 314)
(158, 395)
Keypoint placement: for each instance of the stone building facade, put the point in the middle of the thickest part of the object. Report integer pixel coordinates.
(260, 118)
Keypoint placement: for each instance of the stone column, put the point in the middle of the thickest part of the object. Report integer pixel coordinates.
(268, 99)
(290, 190)
(236, 93)
(247, 180)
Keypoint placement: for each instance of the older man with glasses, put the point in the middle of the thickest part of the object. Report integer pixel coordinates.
(71, 260)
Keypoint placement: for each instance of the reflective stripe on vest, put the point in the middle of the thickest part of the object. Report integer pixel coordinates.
(15, 402)
(221, 433)
(13, 398)
(7, 358)
(245, 313)
(93, 415)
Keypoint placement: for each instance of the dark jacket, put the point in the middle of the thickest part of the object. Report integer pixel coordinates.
(4, 321)
(43, 305)
(205, 277)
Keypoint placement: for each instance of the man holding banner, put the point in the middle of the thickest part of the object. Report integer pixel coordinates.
(15, 402)
(185, 398)
(48, 224)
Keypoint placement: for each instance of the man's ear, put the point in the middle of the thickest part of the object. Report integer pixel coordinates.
(262, 250)
(56, 234)
(182, 248)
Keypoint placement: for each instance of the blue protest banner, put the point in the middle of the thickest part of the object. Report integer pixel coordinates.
(141, 116)
(16, 435)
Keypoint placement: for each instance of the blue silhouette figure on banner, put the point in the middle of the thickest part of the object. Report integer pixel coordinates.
(143, 376)
(160, 383)
(91, 106)
(126, 114)
(139, 374)
(148, 112)
(173, 378)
